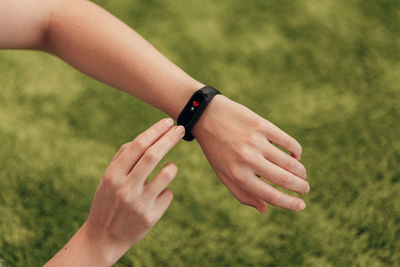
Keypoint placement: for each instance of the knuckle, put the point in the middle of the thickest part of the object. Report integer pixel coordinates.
(161, 126)
(236, 172)
(138, 208)
(169, 174)
(241, 179)
(122, 197)
(124, 146)
(273, 132)
(286, 181)
(290, 163)
(153, 131)
(274, 199)
(150, 156)
(138, 144)
(109, 182)
(253, 139)
(170, 138)
(243, 153)
(262, 125)
(110, 178)
(148, 220)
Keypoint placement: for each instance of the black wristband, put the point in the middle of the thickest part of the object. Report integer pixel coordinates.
(194, 108)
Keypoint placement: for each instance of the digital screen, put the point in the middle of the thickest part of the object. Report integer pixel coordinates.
(192, 106)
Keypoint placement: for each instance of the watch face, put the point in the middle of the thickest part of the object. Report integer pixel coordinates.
(192, 106)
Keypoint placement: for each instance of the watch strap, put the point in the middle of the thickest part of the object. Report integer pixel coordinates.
(189, 122)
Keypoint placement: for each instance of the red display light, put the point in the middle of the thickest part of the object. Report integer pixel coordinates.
(195, 104)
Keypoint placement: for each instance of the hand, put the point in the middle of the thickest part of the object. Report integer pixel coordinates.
(125, 207)
(239, 146)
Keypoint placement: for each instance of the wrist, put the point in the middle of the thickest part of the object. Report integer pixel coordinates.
(82, 250)
(95, 247)
(205, 124)
(180, 96)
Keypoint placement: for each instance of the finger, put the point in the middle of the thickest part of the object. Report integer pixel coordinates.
(132, 153)
(120, 150)
(162, 180)
(279, 176)
(154, 154)
(279, 137)
(269, 194)
(282, 159)
(242, 196)
(162, 202)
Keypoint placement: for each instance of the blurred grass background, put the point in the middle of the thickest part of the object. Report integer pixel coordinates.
(327, 72)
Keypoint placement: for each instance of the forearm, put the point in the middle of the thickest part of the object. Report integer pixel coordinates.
(100, 45)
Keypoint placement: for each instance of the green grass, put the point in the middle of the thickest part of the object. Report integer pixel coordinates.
(327, 72)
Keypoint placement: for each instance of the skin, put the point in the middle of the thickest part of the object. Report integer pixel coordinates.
(125, 207)
(238, 143)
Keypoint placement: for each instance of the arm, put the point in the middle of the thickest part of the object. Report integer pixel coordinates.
(235, 140)
(125, 207)
(98, 44)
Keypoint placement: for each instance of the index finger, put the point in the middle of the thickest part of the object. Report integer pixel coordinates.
(129, 155)
(154, 154)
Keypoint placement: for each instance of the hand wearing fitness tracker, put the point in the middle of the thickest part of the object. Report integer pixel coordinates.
(194, 108)
(240, 145)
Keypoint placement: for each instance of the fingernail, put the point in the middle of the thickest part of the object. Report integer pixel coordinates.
(180, 130)
(302, 205)
(169, 122)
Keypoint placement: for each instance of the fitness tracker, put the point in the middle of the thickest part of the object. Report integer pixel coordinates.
(194, 108)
